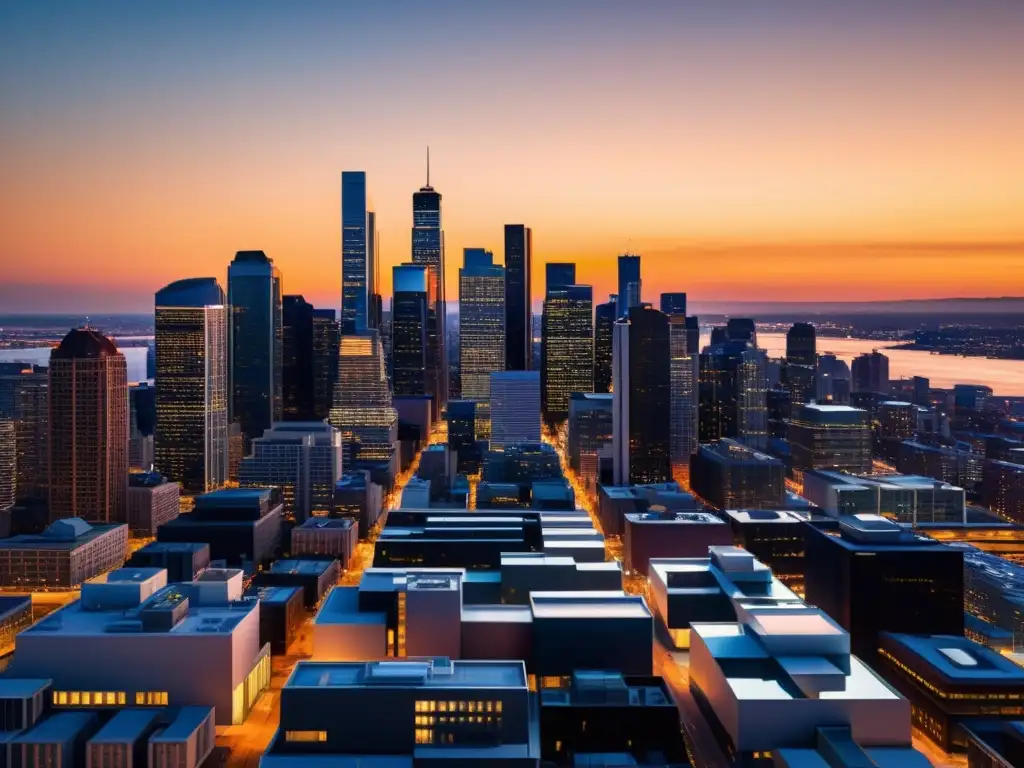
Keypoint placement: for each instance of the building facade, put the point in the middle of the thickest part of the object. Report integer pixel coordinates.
(830, 437)
(604, 330)
(298, 367)
(518, 313)
(428, 251)
(515, 408)
(629, 295)
(483, 313)
(410, 330)
(567, 343)
(326, 343)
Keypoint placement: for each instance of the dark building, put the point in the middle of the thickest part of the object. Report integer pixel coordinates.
(874, 576)
(995, 743)
(559, 274)
(298, 370)
(315, 577)
(409, 331)
(183, 561)
(567, 342)
(88, 429)
(281, 615)
(254, 295)
(518, 314)
(741, 329)
(326, 343)
(590, 430)
(604, 326)
(462, 435)
(775, 537)
(673, 303)
(630, 291)
(720, 383)
(801, 345)
(870, 373)
(801, 381)
(428, 251)
(729, 475)
(642, 398)
(780, 410)
(1003, 489)
(830, 437)
(25, 400)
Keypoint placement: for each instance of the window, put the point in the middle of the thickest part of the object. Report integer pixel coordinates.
(305, 736)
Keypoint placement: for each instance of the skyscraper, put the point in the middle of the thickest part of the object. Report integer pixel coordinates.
(518, 313)
(8, 463)
(141, 422)
(604, 326)
(374, 301)
(641, 435)
(254, 295)
(354, 252)
(326, 341)
(298, 370)
(482, 317)
(870, 373)
(801, 345)
(733, 393)
(567, 341)
(190, 439)
(515, 408)
(629, 284)
(830, 437)
(88, 429)
(25, 400)
(428, 250)
(409, 330)
(684, 375)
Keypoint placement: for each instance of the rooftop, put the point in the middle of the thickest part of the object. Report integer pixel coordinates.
(432, 673)
(327, 522)
(275, 595)
(126, 726)
(55, 729)
(69, 533)
(183, 725)
(956, 659)
(873, 533)
(765, 516)
(596, 604)
(342, 607)
(674, 518)
(302, 567)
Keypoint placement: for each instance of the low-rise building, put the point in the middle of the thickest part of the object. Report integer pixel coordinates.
(282, 611)
(152, 501)
(995, 743)
(525, 572)
(356, 495)
(183, 561)
(614, 502)
(316, 577)
(650, 535)
(910, 499)
(775, 537)
(729, 475)
(326, 537)
(67, 553)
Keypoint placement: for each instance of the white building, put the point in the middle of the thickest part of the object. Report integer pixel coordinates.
(515, 408)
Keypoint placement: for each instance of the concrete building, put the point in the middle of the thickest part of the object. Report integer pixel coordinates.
(326, 537)
(729, 475)
(616, 501)
(316, 577)
(830, 437)
(357, 496)
(209, 654)
(152, 501)
(649, 535)
(775, 537)
(590, 430)
(67, 553)
(282, 612)
(183, 561)
(904, 498)
(523, 573)
(1003, 489)
(515, 408)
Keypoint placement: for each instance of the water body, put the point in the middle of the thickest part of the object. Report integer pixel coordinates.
(135, 357)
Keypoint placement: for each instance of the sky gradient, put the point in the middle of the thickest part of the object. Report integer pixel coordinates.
(867, 150)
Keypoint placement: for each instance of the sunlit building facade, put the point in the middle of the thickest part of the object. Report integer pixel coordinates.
(567, 342)
(362, 400)
(190, 443)
(482, 317)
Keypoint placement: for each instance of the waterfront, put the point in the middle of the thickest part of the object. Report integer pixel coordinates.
(135, 358)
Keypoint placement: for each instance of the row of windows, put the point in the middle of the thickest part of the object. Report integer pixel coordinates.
(941, 693)
(424, 720)
(108, 698)
(305, 736)
(458, 706)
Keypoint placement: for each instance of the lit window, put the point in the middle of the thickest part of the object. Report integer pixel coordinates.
(86, 698)
(121, 698)
(76, 699)
(305, 736)
(140, 698)
(111, 698)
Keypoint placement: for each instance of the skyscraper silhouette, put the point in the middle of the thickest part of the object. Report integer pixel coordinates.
(604, 326)
(326, 341)
(629, 284)
(355, 256)
(482, 315)
(409, 322)
(298, 366)
(518, 313)
(684, 375)
(801, 345)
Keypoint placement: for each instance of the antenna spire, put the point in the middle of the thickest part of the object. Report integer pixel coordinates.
(428, 165)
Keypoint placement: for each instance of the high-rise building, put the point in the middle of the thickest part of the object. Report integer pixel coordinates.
(830, 437)
(482, 316)
(326, 342)
(567, 341)
(832, 380)
(870, 373)
(141, 423)
(462, 435)
(641, 400)
(801, 382)
(730, 475)
(355, 264)
(304, 460)
(801, 345)
(518, 312)
(629, 285)
(190, 438)
(254, 296)
(298, 369)
(25, 400)
(604, 328)
(515, 408)
(684, 375)
(590, 431)
(741, 329)
(88, 429)
(733, 392)
(374, 301)
(363, 410)
(428, 250)
(409, 330)
(8, 463)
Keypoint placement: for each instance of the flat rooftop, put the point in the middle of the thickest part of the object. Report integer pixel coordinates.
(183, 725)
(342, 607)
(409, 674)
(42, 541)
(302, 567)
(957, 659)
(497, 613)
(673, 518)
(127, 726)
(765, 516)
(276, 595)
(55, 729)
(596, 604)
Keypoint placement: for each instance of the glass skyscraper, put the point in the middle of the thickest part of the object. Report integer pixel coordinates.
(684, 375)
(428, 251)
(567, 341)
(518, 313)
(604, 326)
(409, 337)
(326, 341)
(254, 295)
(354, 252)
(733, 392)
(298, 366)
(25, 400)
(482, 319)
(629, 284)
(190, 439)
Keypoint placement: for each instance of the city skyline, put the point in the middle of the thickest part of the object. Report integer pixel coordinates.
(786, 151)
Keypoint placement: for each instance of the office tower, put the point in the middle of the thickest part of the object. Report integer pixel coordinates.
(1003, 489)
(567, 341)
(971, 397)
(362, 401)
(141, 423)
(870, 373)
(483, 313)
(374, 302)
(801, 345)
(25, 400)
(462, 435)
(604, 328)
(303, 459)
(326, 341)
(428, 250)
(190, 439)
(741, 329)
(733, 393)
(590, 432)
(515, 408)
(355, 235)
(684, 379)
(298, 367)
(254, 296)
(729, 475)
(642, 397)
(830, 437)
(878, 577)
(409, 330)
(801, 382)
(780, 409)
(8, 463)
(518, 312)
(629, 285)
(897, 420)
(832, 380)
(88, 429)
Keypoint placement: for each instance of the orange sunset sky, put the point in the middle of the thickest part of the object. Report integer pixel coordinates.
(785, 150)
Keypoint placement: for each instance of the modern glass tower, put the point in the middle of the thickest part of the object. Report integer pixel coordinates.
(482, 316)
(801, 345)
(604, 326)
(88, 429)
(641, 435)
(409, 329)
(428, 251)
(326, 341)
(25, 400)
(629, 284)
(190, 438)
(8, 462)
(254, 294)
(567, 341)
(298, 368)
(355, 252)
(733, 393)
(515, 408)
(518, 313)
(684, 375)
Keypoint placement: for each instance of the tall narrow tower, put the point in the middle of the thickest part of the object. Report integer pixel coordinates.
(355, 253)
(518, 313)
